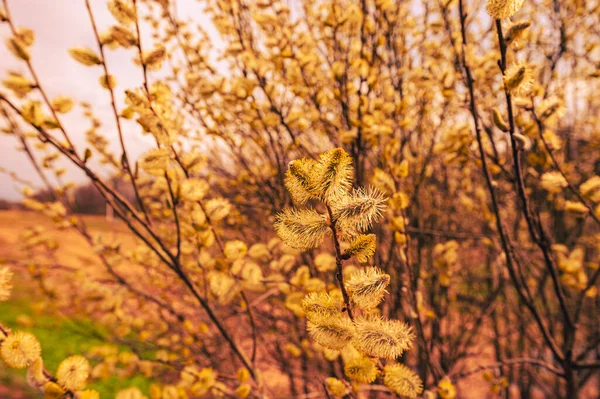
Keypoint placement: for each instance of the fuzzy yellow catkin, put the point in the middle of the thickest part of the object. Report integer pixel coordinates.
(53, 391)
(85, 56)
(361, 369)
(18, 84)
(336, 387)
(88, 394)
(502, 9)
(120, 36)
(32, 113)
(446, 390)
(301, 228)
(299, 180)
(523, 143)
(122, 11)
(333, 333)
(108, 82)
(26, 35)
(402, 380)
(516, 30)
(379, 337)
(362, 247)
(367, 286)
(73, 372)
(35, 374)
(20, 349)
(18, 48)
(551, 107)
(518, 78)
(361, 209)
(5, 283)
(155, 161)
(154, 58)
(333, 175)
(62, 104)
(319, 305)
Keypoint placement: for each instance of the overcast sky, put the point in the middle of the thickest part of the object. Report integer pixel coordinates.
(59, 25)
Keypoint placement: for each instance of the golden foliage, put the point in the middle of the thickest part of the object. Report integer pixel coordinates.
(354, 94)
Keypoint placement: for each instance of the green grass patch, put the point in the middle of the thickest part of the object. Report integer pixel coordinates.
(60, 337)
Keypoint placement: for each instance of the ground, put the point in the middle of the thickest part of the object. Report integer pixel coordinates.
(60, 336)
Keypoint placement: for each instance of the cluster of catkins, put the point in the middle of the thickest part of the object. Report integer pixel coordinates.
(346, 319)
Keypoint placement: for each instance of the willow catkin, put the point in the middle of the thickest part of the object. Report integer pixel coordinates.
(73, 372)
(499, 121)
(502, 9)
(18, 48)
(361, 369)
(360, 209)
(301, 228)
(5, 283)
(85, 56)
(319, 305)
(19, 84)
(518, 78)
(300, 180)
(402, 380)
(20, 349)
(333, 333)
(122, 11)
(379, 337)
(333, 175)
(516, 31)
(362, 247)
(367, 286)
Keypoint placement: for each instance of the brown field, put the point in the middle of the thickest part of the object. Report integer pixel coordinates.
(74, 252)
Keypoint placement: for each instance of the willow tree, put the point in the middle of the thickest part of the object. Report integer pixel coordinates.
(430, 168)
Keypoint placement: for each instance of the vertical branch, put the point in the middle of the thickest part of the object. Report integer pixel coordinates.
(536, 230)
(338, 263)
(520, 287)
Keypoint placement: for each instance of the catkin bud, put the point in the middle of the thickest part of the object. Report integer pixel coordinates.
(516, 31)
(518, 78)
(17, 48)
(85, 56)
(499, 121)
(523, 143)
